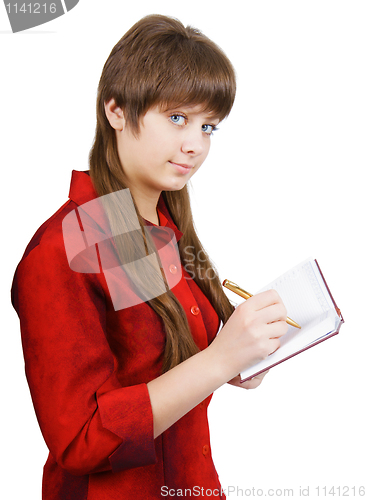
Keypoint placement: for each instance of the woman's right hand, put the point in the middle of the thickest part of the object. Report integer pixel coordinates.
(251, 333)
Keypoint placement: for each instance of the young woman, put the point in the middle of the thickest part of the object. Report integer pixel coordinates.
(120, 375)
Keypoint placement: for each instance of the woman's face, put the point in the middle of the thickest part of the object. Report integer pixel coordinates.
(169, 149)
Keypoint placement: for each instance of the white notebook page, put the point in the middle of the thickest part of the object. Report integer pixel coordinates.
(303, 292)
(308, 302)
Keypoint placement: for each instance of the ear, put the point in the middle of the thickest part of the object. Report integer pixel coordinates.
(114, 115)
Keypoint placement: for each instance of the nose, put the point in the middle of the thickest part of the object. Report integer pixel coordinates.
(194, 143)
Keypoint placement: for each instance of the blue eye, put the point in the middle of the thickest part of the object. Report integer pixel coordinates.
(208, 129)
(178, 119)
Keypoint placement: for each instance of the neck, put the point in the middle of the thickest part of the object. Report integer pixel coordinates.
(147, 206)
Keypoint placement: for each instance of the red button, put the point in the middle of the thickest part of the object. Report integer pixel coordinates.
(172, 269)
(205, 450)
(195, 310)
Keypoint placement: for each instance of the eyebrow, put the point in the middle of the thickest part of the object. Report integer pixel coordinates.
(185, 108)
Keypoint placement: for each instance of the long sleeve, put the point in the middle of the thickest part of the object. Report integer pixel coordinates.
(88, 362)
(89, 421)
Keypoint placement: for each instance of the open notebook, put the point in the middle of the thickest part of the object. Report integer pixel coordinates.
(309, 302)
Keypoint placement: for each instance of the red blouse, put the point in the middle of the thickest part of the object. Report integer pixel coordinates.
(87, 365)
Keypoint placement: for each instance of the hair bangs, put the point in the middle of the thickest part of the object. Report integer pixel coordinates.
(214, 95)
(197, 74)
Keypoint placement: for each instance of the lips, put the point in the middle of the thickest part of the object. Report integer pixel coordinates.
(183, 168)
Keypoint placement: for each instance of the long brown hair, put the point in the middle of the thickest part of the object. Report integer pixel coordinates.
(160, 62)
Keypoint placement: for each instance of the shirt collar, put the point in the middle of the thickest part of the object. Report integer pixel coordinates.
(81, 187)
(165, 219)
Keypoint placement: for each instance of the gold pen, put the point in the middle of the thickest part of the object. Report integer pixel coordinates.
(246, 295)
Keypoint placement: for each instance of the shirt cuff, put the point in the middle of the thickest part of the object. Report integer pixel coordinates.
(127, 412)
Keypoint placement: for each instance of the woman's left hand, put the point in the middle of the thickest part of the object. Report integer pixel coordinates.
(249, 384)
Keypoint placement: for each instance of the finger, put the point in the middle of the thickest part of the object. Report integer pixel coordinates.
(262, 375)
(249, 384)
(277, 329)
(252, 383)
(273, 313)
(273, 346)
(265, 299)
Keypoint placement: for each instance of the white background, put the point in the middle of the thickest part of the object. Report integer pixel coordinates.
(285, 179)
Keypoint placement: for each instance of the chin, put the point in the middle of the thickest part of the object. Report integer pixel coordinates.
(175, 186)
(178, 187)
